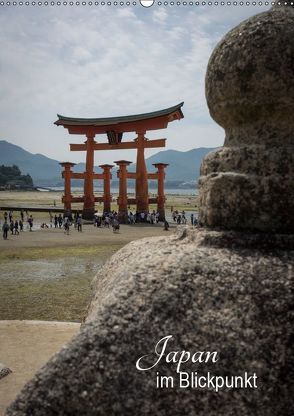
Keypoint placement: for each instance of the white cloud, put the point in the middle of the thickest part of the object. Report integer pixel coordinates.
(125, 13)
(159, 15)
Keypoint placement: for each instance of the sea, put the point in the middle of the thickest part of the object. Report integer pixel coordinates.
(176, 191)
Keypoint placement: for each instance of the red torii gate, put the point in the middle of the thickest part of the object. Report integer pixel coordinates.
(114, 127)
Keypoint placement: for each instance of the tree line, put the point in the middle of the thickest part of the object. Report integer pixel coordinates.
(10, 176)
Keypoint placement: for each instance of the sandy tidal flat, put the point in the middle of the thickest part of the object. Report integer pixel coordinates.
(25, 346)
(46, 274)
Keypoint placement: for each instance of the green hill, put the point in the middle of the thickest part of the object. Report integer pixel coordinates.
(11, 177)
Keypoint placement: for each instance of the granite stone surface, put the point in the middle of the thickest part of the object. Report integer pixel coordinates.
(249, 183)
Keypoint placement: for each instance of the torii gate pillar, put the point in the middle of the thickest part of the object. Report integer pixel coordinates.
(106, 187)
(66, 174)
(122, 200)
(141, 175)
(160, 186)
(89, 199)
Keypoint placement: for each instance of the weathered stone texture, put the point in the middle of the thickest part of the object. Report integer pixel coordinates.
(250, 78)
(249, 183)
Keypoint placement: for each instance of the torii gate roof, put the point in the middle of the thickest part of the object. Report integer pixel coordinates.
(148, 121)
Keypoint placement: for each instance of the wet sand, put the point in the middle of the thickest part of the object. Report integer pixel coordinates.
(25, 346)
(46, 274)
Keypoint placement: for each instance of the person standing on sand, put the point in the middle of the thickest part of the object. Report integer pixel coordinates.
(184, 220)
(60, 220)
(11, 227)
(115, 225)
(5, 216)
(21, 225)
(157, 217)
(107, 221)
(152, 218)
(192, 219)
(166, 225)
(5, 229)
(16, 228)
(66, 226)
(174, 215)
(79, 222)
(30, 221)
(21, 215)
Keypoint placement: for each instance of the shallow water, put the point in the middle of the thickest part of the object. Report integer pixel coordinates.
(48, 289)
(49, 269)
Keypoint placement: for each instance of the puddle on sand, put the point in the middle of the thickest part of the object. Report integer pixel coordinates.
(47, 289)
(60, 267)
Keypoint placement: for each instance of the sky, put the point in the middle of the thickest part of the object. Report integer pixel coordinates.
(105, 61)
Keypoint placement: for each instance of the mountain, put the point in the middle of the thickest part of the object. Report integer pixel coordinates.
(41, 168)
(183, 166)
(44, 170)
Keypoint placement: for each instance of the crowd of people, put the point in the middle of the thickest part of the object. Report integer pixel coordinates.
(181, 218)
(58, 221)
(66, 220)
(16, 225)
(149, 217)
(107, 219)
